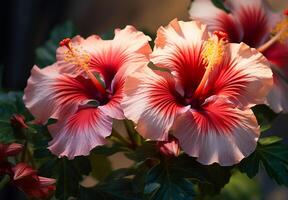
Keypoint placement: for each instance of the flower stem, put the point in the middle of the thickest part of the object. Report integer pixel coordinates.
(132, 134)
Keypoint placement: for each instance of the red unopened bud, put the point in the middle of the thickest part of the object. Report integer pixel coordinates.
(34, 186)
(18, 121)
(169, 148)
(285, 12)
(65, 42)
(7, 150)
(221, 35)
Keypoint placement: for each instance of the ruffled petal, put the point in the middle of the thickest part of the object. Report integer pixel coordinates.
(77, 134)
(256, 18)
(249, 21)
(277, 54)
(216, 19)
(277, 99)
(80, 47)
(129, 49)
(48, 89)
(220, 133)
(149, 101)
(38, 92)
(244, 76)
(178, 48)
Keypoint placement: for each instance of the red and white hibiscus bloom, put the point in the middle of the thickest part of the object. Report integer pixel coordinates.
(254, 23)
(205, 99)
(27, 180)
(83, 89)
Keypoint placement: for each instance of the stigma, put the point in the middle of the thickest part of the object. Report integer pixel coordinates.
(80, 58)
(278, 34)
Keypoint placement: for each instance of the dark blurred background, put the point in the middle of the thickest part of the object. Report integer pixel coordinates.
(26, 25)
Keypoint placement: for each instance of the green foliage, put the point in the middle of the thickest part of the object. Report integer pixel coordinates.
(100, 165)
(120, 189)
(163, 183)
(70, 174)
(273, 155)
(45, 54)
(220, 4)
(10, 103)
(240, 187)
(265, 116)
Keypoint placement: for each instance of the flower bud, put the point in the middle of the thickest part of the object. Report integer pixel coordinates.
(9, 150)
(169, 148)
(18, 121)
(34, 186)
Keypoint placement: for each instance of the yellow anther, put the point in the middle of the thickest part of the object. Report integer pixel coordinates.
(212, 54)
(278, 33)
(81, 59)
(283, 28)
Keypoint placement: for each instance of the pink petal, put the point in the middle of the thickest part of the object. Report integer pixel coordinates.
(244, 77)
(277, 54)
(255, 19)
(150, 102)
(13, 149)
(81, 46)
(220, 133)
(216, 19)
(77, 134)
(22, 170)
(178, 48)
(38, 92)
(48, 89)
(277, 99)
(43, 181)
(129, 49)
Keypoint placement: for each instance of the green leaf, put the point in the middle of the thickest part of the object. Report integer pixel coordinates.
(273, 155)
(45, 55)
(68, 174)
(161, 183)
(240, 187)
(265, 116)
(220, 4)
(154, 67)
(147, 150)
(210, 178)
(120, 189)
(10, 103)
(100, 165)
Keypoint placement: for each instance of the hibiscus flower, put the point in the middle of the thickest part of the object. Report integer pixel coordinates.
(254, 23)
(200, 89)
(83, 89)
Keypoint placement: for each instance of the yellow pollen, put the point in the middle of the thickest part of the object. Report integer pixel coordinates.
(281, 27)
(279, 33)
(212, 54)
(81, 59)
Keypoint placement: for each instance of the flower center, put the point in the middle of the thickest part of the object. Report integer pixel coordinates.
(279, 33)
(212, 54)
(81, 60)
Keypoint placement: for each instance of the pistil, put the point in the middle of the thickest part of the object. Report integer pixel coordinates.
(212, 55)
(81, 60)
(279, 33)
